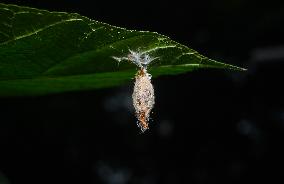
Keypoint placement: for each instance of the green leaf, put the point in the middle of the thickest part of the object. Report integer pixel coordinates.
(44, 52)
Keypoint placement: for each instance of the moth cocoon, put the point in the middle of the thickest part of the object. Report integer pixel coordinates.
(143, 98)
(143, 92)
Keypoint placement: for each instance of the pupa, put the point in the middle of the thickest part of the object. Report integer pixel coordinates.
(143, 93)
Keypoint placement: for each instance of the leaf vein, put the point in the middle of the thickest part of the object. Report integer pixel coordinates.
(38, 30)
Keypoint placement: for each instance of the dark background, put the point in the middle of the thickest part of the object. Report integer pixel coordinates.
(208, 126)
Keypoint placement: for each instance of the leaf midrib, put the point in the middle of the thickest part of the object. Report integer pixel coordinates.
(102, 73)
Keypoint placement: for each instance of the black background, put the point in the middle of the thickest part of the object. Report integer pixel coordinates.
(208, 126)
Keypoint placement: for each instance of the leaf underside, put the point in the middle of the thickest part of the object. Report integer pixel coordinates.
(44, 52)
